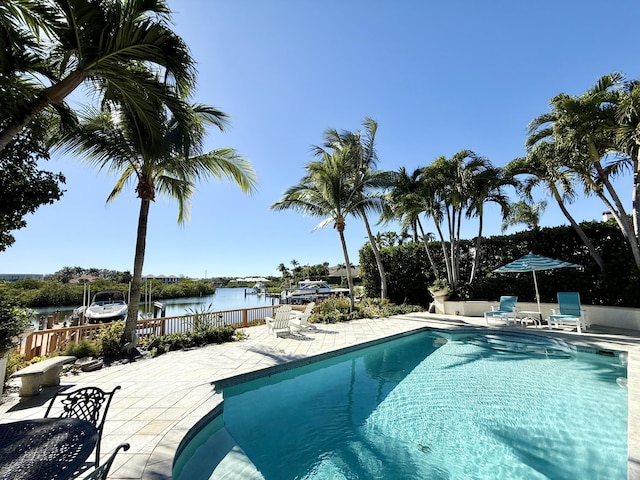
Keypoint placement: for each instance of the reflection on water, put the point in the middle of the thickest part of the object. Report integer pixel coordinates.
(223, 299)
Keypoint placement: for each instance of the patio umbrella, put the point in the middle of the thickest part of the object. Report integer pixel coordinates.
(533, 263)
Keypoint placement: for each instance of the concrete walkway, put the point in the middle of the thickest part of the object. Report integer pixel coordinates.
(163, 397)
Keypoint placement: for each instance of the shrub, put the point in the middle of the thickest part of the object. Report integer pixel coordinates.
(84, 348)
(110, 339)
(13, 323)
(182, 340)
(15, 361)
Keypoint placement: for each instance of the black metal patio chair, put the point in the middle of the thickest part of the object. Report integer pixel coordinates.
(101, 472)
(87, 403)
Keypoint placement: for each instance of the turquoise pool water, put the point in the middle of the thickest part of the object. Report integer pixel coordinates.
(431, 406)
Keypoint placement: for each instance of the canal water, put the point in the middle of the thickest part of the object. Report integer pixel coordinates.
(223, 299)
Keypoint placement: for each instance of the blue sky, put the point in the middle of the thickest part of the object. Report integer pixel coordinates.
(438, 77)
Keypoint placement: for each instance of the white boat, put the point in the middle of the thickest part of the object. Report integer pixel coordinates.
(107, 306)
(258, 289)
(311, 290)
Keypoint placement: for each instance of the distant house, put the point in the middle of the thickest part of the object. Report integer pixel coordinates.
(83, 279)
(339, 272)
(250, 280)
(14, 277)
(165, 279)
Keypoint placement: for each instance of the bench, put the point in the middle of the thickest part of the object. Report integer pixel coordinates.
(45, 373)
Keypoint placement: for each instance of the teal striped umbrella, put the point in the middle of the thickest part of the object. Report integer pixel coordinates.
(533, 263)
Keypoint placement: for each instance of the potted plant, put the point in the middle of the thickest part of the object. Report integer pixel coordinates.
(440, 288)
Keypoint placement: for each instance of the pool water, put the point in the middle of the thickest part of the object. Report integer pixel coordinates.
(432, 406)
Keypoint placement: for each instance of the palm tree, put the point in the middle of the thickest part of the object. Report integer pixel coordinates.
(449, 187)
(524, 212)
(585, 127)
(328, 191)
(543, 165)
(282, 268)
(406, 201)
(116, 46)
(364, 159)
(628, 138)
(167, 160)
(487, 183)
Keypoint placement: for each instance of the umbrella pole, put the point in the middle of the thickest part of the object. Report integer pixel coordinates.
(535, 283)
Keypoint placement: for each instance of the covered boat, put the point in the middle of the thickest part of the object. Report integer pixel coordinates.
(311, 291)
(107, 306)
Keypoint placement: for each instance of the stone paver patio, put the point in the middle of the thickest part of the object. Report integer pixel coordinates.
(163, 397)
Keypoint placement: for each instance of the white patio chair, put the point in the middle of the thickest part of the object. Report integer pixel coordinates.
(280, 322)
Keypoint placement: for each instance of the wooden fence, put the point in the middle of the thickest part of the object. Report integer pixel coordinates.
(46, 342)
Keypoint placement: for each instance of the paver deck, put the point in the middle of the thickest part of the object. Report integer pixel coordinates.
(163, 397)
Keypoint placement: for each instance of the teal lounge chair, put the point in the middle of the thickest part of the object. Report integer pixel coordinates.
(506, 309)
(568, 312)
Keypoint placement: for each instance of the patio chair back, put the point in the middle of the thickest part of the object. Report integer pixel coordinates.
(508, 303)
(87, 403)
(102, 471)
(569, 303)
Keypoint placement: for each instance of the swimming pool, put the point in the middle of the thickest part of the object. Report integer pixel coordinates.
(428, 405)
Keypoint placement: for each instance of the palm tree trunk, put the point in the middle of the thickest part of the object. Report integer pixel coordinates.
(635, 195)
(583, 236)
(53, 94)
(134, 301)
(348, 266)
(445, 255)
(378, 257)
(476, 258)
(620, 212)
(436, 274)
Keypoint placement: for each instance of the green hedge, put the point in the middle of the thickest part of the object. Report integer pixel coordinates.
(409, 274)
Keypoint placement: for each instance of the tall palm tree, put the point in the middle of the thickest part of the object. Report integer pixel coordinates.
(116, 46)
(405, 201)
(364, 158)
(282, 268)
(328, 191)
(585, 127)
(449, 186)
(544, 167)
(168, 161)
(628, 138)
(487, 186)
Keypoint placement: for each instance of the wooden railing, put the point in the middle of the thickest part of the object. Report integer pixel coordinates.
(46, 342)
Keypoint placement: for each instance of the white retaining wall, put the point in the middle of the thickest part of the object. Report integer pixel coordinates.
(617, 317)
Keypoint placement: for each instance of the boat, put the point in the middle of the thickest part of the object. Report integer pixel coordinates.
(258, 289)
(106, 306)
(311, 291)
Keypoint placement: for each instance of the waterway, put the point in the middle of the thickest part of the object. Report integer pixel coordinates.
(223, 299)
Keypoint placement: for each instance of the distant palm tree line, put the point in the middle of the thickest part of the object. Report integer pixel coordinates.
(299, 272)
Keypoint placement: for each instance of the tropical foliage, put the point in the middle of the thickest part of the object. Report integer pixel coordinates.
(617, 285)
(593, 138)
(363, 157)
(118, 48)
(14, 321)
(330, 190)
(165, 157)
